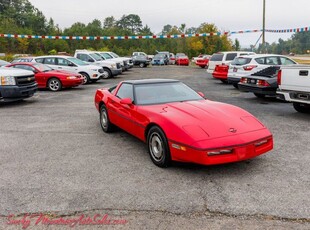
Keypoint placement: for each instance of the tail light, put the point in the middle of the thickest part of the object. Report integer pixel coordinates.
(279, 77)
(249, 67)
(262, 83)
(244, 80)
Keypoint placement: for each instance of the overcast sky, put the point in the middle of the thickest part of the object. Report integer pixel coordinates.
(225, 14)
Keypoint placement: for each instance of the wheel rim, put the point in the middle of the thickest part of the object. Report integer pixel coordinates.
(105, 74)
(156, 147)
(104, 119)
(54, 85)
(141, 65)
(84, 79)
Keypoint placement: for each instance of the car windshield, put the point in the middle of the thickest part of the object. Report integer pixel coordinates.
(106, 55)
(77, 61)
(217, 57)
(42, 68)
(114, 55)
(241, 61)
(159, 56)
(96, 57)
(161, 93)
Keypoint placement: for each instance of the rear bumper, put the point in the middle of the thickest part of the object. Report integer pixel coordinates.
(220, 75)
(15, 93)
(259, 90)
(294, 96)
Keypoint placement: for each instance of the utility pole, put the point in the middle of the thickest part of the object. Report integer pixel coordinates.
(264, 13)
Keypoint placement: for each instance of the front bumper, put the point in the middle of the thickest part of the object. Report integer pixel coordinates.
(244, 146)
(15, 93)
(116, 72)
(71, 82)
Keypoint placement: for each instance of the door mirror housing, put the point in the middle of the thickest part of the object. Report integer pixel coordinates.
(126, 101)
(201, 94)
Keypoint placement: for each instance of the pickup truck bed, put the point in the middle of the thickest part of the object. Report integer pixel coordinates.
(294, 86)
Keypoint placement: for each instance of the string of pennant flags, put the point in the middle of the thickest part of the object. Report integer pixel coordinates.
(228, 33)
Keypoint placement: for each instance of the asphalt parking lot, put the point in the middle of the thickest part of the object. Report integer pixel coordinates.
(55, 158)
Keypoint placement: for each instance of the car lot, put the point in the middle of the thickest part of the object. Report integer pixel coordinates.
(55, 158)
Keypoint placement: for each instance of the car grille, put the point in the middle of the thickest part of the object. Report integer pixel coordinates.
(130, 61)
(118, 65)
(100, 70)
(25, 80)
(125, 63)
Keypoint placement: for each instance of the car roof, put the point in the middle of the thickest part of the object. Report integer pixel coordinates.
(261, 55)
(54, 56)
(150, 81)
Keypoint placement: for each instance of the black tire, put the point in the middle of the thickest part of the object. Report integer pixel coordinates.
(236, 85)
(86, 78)
(105, 123)
(141, 65)
(158, 147)
(301, 108)
(260, 95)
(224, 81)
(54, 84)
(106, 73)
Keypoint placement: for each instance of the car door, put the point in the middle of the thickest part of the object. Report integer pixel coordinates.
(64, 64)
(121, 114)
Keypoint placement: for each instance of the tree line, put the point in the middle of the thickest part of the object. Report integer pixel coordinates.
(21, 17)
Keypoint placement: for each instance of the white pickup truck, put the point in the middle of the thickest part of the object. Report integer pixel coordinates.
(294, 86)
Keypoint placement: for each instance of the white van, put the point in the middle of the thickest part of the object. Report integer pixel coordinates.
(224, 58)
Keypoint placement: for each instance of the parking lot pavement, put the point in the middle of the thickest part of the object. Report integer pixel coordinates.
(55, 158)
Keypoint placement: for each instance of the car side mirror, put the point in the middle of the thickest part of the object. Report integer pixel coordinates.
(201, 94)
(126, 101)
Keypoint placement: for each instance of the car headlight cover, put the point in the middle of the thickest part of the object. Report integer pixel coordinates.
(7, 80)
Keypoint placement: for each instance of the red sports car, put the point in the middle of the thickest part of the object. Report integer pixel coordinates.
(181, 59)
(220, 72)
(47, 77)
(202, 61)
(178, 124)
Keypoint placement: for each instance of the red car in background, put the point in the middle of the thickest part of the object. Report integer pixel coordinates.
(202, 61)
(220, 72)
(47, 77)
(179, 124)
(181, 59)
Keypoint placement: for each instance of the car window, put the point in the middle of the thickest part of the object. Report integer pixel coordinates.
(241, 61)
(217, 57)
(231, 56)
(50, 61)
(84, 57)
(63, 62)
(125, 91)
(286, 61)
(272, 61)
(25, 67)
(39, 60)
(260, 60)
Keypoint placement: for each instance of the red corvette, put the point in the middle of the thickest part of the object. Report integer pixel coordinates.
(178, 124)
(47, 77)
(220, 72)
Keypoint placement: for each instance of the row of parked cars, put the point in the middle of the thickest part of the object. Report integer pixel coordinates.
(261, 75)
(167, 58)
(23, 76)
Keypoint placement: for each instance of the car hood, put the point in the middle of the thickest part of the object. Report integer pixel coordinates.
(206, 119)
